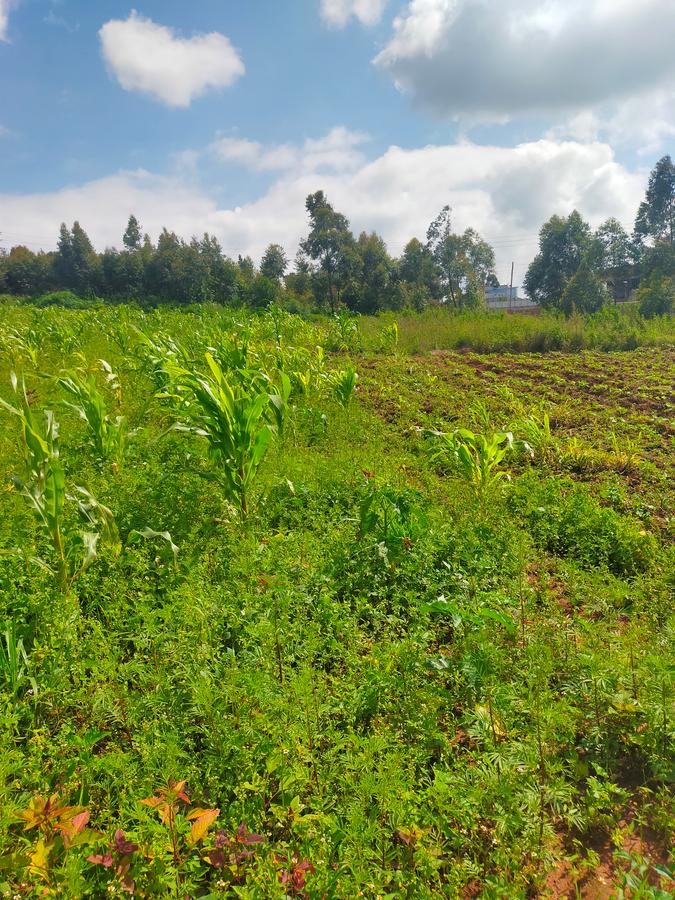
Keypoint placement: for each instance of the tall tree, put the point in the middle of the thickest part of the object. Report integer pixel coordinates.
(76, 263)
(371, 286)
(418, 269)
(331, 244)
(616, 251)
(656, 215)
(459, 257)
(274, 263)
(563, 243)
(132, 236)
(584, 292)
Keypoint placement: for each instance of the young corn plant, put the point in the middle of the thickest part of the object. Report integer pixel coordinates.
(14, 663)
(538, 437)
(107, 434)
(344, 385)
(234, 417)
(44, 490)
(476, 457)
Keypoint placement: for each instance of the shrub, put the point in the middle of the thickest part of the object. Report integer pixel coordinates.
(564, 519)
(656, 298)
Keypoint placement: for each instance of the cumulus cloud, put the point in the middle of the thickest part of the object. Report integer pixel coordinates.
(5, 7)
(505, 193)
(339, 12)
(336, 151)
(156, 61)
(486, 59)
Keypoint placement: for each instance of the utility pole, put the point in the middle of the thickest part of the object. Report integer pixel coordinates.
(511, 287)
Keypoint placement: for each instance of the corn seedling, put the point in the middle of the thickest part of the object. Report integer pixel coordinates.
(476, 457)
(344, 384)
(108, 435)
(627, 452)
(233, 418)
(14, 663)
(537, 435)
(389, 339)
(45, 493)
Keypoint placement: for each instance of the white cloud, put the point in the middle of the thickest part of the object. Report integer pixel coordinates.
(5, 8)
(154, 60)
(505, 193)
(336, 151)
(486, 59)
(338, 12)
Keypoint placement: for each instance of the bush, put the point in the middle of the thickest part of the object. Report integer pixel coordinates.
(585, 292)
(66, 299)
(564, 519)
(656, 299)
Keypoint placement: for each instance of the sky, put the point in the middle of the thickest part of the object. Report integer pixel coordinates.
(222, 115)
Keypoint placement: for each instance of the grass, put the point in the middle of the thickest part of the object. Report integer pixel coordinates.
(501, 332)
(382, 682)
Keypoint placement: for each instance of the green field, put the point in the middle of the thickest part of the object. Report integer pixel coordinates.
(335, 608)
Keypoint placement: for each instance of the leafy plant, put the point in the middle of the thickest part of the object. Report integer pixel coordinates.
(343, 384)
(108, 435)
(391, 518)
(45, 493)
(60, 828)
(536, 432)
(476, 457)
(14, 662)
(233, 418)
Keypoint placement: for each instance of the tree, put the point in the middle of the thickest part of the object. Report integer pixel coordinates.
(585, 292)
(274, 263)
(458, 257)
(657, 297)
(132, 236)
(481, 257)
(246, 267)
(418, 269)
(26, 272)
(263, 291)
(300, 281)
(614, 245)
(331, 244)
(76, 264)
(371, 287)
(563, 244)
(656, 215)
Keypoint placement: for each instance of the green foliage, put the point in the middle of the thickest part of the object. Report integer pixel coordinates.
(476, 457)
(567, 521)
(657, 297)
(343, 384)
(584, 292)
(108, 435)
(563, 244)
(233, 416)
(389, 682)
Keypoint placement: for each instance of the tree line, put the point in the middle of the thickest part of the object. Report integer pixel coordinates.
(333, 269)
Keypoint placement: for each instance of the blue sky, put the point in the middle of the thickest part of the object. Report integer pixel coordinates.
(221, 115)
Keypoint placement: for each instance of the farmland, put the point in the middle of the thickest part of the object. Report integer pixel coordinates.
(335, 608)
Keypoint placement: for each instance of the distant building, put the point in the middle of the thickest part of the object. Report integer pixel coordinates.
(506, 297)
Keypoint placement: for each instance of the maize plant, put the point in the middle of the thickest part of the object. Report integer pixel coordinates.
(45, 493)
(538, 436)
(476, 457)
(233, 415)
(108, 435)
(14, 662)
(344, 385)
